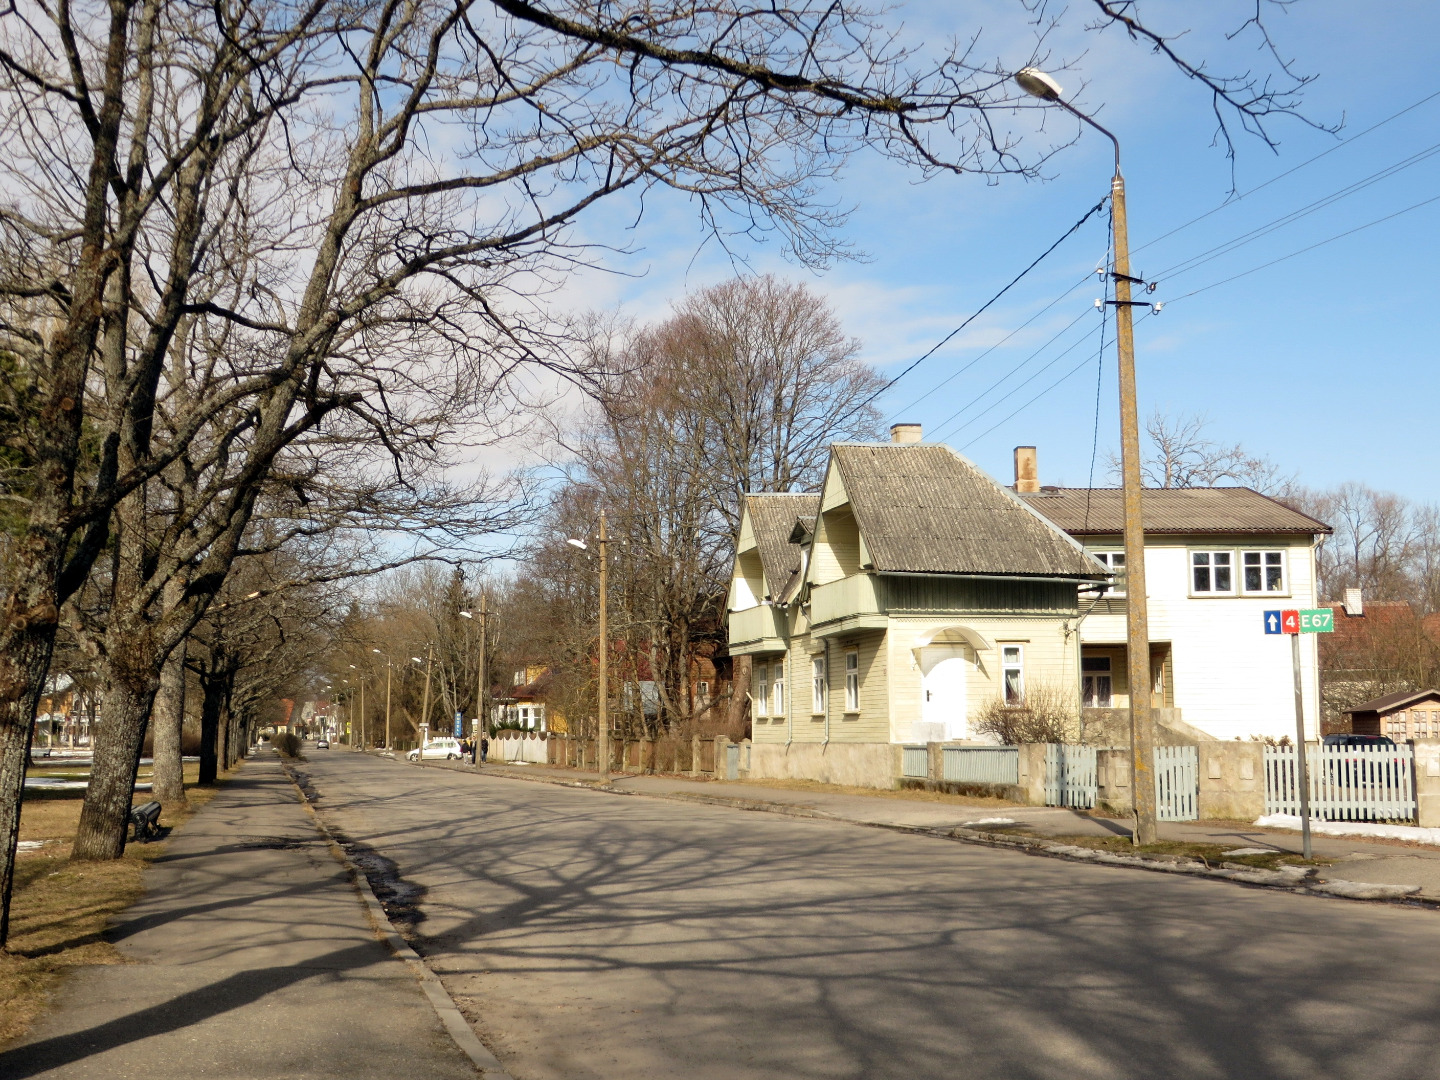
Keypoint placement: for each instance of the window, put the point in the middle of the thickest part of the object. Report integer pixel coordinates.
(1115, 561)
(777, 691)
(1012, 674)
(762, 690)
(1212, 573)
(702, 691)
(817, 685)
(1095, 682)
(1263, 571)
(852, 680)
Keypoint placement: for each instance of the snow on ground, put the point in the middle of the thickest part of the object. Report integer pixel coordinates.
(1412, 833)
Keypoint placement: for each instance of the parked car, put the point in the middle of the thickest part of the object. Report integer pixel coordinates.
(445, 746)
(1358, 740)
(322, 743)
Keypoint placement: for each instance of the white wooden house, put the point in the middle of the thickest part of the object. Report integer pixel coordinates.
(1216, 559)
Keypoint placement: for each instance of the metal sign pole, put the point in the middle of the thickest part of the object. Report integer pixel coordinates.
(1302, 777)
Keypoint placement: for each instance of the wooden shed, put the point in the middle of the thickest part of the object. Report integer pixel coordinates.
(1406, 714)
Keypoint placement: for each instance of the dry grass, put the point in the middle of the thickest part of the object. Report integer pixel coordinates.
(1210, 854)
(61, 909)
(917, 795)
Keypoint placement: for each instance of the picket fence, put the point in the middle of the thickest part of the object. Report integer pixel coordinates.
(1347, 783)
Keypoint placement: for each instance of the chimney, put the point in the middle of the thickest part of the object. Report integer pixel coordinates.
(905, 433)
(1354, 604)
(1027, 472)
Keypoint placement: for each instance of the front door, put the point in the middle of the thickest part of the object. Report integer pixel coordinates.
(944, 700)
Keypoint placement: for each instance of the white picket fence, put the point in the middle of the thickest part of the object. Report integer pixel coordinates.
(1177, 783)
(1347, 783)
(1070, 776)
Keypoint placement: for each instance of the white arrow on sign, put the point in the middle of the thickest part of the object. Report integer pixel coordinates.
(1274, 621)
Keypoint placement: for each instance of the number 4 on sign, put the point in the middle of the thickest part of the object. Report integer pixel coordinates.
(1290, 622)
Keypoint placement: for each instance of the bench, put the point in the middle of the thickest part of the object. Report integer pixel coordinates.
(146, 820)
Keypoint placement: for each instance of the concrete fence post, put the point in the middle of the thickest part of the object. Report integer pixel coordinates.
(694, 755)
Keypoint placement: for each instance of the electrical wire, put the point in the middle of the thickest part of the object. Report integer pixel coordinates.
(1099, 381)
(984, 307)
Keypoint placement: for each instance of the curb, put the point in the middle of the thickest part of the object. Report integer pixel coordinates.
(440, 1000)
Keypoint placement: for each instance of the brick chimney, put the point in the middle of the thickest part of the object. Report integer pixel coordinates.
(1027, 472)
(1354, 603)
(905, 433)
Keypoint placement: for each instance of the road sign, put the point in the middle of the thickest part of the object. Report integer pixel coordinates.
(1290, 621)
(459, 723)
(1272, 622)
(1317, 620)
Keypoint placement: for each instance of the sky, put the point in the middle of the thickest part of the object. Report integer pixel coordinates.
(1324, 361)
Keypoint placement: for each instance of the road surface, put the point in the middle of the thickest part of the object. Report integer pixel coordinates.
(587, 935)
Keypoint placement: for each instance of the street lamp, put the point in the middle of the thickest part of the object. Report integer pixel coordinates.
(481, 723)
(1137, 647)
(360, 678)
(603, 741)
(389, 666)
(424, 726)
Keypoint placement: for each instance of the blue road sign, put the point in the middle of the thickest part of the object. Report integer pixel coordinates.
(1272, 622)
(459, 723)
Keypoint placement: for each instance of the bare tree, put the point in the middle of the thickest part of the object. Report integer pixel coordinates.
(1182, 455)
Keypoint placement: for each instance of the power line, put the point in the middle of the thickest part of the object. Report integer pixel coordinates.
(984, 307)
(1309, 161)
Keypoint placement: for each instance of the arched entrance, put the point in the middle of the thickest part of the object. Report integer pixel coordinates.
(946, 656)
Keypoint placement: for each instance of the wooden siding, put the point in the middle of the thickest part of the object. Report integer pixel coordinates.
(872, 722)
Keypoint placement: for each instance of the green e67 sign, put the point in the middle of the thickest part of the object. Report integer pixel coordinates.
(1300, 621)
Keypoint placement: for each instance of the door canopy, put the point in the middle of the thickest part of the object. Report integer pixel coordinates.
(951, 635)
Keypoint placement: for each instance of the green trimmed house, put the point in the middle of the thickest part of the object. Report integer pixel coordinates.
(893, 606)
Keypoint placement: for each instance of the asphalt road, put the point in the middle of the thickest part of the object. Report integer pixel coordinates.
(594, 935)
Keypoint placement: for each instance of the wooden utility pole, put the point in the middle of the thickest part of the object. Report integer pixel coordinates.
(1137, 619)
(604, 738)
(482, 722)
(424, 728)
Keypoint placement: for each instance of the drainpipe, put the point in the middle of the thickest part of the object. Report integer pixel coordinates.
(826, 741)
(789, 669)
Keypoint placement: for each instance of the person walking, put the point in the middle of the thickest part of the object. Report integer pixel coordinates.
(484, 748)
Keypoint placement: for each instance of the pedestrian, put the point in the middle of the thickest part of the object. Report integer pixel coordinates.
(484, 748)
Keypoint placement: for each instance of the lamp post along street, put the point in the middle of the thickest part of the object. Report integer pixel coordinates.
(604, 710)
(388, 667)
(1137, 619)
(482, 722)
(424, 707)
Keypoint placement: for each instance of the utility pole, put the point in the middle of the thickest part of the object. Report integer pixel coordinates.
(483, 721)
(1137, 618)
(388, 668)
(362, 711)
(604, 739)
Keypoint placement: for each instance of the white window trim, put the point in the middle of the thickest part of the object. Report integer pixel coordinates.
(762, 690)
(818, 686)
(1019, 663)
(777, 691)
(852, 681)
(1114, 590)
(1284, 554)
(1234, 589)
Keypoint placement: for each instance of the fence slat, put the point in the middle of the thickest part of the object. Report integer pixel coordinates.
(1347, 783)
(1071, 776)
(915, 761)
(980, 764)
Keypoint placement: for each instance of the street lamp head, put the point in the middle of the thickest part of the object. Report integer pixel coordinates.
(578, 543)
(466, 615)
(354, 668)
(417, 659)
(377, 652)
(1037, 84)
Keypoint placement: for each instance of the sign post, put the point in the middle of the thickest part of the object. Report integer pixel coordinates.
(1296, 622)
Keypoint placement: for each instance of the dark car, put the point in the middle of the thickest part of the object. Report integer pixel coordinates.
(1358, 740)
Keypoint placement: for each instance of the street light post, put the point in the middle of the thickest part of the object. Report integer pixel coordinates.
(1137, 621)
(482, 725)
(388, 668)
(603, 739)
(424, 728)
(360, 679)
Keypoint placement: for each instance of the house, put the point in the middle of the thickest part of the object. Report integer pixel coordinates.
(896, 605)
(1406, 714)
(1378, 648)
(523, 703)
(1216, 559)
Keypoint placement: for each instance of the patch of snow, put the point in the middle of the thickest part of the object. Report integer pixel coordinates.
(1413, 833)
(32, 845)
(990, 821)
(1250, 851)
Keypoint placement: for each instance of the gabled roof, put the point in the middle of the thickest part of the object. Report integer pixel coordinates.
(1401, 699)
(1090, 511)
(923, 508)
(773, 517)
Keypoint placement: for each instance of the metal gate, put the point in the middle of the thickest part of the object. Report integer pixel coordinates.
(980, 764)
(1347, 783)
(1177, 783)
(732, 761)
(1070, 776)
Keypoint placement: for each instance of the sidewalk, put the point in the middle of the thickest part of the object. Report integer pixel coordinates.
(1376, 862)
(252, 957)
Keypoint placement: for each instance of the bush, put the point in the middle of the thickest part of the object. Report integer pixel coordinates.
(288, 746)
(1046, 715)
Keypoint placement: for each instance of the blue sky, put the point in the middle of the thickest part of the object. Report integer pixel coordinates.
(1324, 362)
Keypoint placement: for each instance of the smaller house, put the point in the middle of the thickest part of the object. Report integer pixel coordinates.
(1406, 714)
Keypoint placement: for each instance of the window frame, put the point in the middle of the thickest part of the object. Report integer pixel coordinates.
(762, 690)
(1210, 568)
(819, 685)
(852, 681)
(1094, 676)
(1006, 667)
(1284, 589)
(777, 690)
(1106, 556)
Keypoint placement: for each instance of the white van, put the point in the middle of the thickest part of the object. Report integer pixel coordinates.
(445, 747)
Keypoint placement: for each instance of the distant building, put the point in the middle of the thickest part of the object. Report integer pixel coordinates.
(1407, 714)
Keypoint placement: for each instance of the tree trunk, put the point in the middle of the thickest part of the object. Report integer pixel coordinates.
(104, 819)
(210, 726)
(168, 723)
(14, 752)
